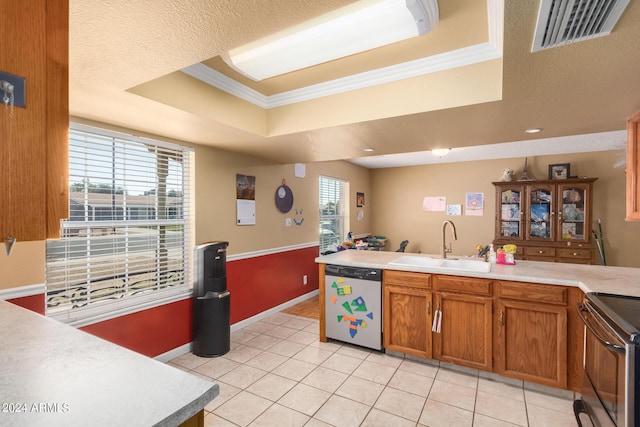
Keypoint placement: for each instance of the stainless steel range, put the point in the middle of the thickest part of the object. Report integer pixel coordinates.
(611, 384)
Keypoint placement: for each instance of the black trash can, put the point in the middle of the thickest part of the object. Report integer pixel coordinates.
(211, 301)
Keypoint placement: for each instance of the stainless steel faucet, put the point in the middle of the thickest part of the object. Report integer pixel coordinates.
(443, 249)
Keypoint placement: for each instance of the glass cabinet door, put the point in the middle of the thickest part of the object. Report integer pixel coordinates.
(540, 213)
(510, 213)
(574, 223)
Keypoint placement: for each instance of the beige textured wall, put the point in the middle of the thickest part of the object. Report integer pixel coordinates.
(25, 265)
(393, 205)
(216, 210)
(216, 200)
(398, 194)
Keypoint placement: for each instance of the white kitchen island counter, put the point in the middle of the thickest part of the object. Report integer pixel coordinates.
(589, 278)
(52, 374)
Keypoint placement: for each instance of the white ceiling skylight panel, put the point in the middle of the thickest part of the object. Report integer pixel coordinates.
(359, 27)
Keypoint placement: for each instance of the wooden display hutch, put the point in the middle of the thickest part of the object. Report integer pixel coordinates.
(548, 220)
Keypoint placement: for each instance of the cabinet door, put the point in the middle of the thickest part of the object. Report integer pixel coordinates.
(407, 320)
(34, 140)
(509, 212)
(574, 207)
(531, 342)
(633, 168)
(540, 212)
(465, 330)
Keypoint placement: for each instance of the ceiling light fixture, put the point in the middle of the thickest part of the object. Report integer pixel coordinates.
(369, 149)
(440, 151)
(361, 26)
(533, 130)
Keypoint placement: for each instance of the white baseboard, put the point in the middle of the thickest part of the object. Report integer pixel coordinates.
(172, 354)
(186, 348)
(274, 310)
(22, 291)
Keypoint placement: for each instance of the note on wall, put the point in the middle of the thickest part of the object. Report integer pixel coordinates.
(475, 204)
(454, 210)
(434, 203)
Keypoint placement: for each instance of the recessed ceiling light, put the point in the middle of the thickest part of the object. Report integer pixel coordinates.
(356, 28)
(440, 151)
(533, 130)
(369, 150)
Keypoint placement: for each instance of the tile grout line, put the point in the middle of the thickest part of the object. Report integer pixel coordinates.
(385, 386)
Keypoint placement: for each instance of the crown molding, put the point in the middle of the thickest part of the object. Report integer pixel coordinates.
(490, 50)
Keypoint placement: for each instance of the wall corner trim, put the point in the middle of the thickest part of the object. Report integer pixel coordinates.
(271, 251)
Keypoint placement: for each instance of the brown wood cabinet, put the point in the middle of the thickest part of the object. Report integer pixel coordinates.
(549, 220)
(531, 333)
(34, 148)
(465, 336)
(521, 330)
(407, 313)
(633, 168)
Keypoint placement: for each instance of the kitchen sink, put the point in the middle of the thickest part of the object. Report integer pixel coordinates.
(417, 261)
(447, 263)
(466, 264)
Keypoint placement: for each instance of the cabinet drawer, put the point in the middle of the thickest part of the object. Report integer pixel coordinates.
(524, 291)
(574, 253)
(540, 251)
(462, 285)
(407, 278)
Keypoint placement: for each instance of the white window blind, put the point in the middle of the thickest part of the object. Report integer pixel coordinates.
(127, 242)
(334, 211)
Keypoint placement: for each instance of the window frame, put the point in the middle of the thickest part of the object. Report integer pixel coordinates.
(166, 284)
(337, 223)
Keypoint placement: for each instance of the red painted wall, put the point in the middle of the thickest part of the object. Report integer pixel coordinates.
(260, 283)
(32, 302)
(150, 332)
(256, 285)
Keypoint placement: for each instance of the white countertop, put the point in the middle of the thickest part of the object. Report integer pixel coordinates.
(589, 278)
(54, 374)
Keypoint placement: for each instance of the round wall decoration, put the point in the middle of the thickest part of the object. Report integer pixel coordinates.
(284, 198)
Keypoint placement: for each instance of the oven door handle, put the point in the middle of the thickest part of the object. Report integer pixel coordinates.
(611, 346)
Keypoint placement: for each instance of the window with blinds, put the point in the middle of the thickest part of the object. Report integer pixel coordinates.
(127, 242)
(334, 211)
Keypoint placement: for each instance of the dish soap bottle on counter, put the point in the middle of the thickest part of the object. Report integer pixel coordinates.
(492, 255)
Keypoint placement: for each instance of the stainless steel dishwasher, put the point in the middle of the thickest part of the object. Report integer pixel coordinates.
(353, 305)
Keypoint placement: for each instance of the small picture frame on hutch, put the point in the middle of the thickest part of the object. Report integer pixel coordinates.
(559, 171)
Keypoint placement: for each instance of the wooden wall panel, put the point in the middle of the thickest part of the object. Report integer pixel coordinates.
(31, 39)
(57, 115)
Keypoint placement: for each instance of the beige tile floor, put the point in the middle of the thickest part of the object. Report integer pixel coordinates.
(278, 374)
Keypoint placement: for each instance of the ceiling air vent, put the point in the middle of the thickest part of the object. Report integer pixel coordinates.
(562, 22)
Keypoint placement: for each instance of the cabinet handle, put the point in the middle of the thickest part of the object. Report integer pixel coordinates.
(575, 254)
(501, 321)
(429, 308)
(540, 252)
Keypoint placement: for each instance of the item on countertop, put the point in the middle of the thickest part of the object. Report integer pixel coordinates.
(492, 254)
(504, 257)
(482, 250)
(361, 245)
(604, 258)
(510, 249)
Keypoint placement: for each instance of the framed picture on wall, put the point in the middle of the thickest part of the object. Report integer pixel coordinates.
(359, 200)
(559, 171)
